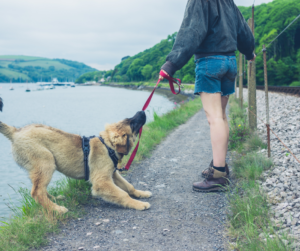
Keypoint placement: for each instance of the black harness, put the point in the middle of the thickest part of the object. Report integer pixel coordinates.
(86, 152)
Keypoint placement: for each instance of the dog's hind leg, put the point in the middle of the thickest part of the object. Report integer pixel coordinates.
(129, 188)
(107, 190)
(40, 175)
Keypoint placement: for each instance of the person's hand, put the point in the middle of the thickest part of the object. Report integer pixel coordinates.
(253, 58)
(161, 77)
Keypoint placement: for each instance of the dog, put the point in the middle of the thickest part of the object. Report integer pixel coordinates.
(42, 149)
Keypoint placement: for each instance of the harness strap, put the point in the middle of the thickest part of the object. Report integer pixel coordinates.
(86, 152)
(172, 81)
(111, 154)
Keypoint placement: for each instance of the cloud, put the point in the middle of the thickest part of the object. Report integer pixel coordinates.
(96, 32)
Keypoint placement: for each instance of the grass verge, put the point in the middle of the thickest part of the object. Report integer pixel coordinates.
(31, 223)
(250, 224)
(163, 84)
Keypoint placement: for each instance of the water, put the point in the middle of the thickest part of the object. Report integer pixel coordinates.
(82, 110)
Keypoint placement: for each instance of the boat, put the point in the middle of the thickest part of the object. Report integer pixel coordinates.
(40, 88)
(72, 85)
(51, 87)
(11, 87)
(27, 89)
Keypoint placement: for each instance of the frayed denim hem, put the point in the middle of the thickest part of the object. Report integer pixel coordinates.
(198, 93)
(228, 94)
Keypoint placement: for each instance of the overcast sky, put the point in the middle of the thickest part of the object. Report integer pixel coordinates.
(96, 32)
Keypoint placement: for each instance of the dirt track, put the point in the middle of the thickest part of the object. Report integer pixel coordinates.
(179, 219)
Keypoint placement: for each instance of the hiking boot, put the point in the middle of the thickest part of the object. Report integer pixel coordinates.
(215, 182)
(206, 171)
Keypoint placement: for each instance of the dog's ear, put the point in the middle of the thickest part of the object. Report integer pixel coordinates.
(119, 138)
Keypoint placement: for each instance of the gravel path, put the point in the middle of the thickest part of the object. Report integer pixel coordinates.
(179, 219)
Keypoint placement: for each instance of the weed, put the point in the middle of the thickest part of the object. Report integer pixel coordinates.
(238, 126)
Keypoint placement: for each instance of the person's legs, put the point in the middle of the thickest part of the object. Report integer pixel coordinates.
(214, 106)
(215, 82)
(224, 101)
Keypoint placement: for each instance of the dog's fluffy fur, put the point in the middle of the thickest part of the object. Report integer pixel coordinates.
(42, 149)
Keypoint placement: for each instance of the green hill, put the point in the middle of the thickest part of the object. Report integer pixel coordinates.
(270, 20)
(26, 68)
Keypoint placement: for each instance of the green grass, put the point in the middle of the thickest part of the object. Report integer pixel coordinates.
(150, 84)
(31, 223)
(249, 216)
(13, 74)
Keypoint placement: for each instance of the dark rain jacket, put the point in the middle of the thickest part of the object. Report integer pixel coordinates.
(210, 27)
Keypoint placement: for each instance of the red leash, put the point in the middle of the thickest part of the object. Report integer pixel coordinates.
(171, 82)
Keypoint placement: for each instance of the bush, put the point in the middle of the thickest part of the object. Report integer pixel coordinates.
(295, 84)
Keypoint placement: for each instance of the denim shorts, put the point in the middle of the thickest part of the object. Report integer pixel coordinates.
(216, 74)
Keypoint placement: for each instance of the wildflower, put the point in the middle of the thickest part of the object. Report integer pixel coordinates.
(239, 125)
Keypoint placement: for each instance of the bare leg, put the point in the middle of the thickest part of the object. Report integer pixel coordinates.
(107, 190)
(127, 187)
(224, 101)
(214, 106)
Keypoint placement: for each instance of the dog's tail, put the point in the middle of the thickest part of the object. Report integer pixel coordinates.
(6, 130)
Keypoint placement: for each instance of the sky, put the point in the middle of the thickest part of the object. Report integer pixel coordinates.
(96, 32)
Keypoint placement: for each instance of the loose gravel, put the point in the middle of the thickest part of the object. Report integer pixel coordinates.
(282, 182)
(179, 219)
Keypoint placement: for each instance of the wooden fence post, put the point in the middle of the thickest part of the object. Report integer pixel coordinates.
(252, 89)
(241, 80)
(235, 88)
(267, 100)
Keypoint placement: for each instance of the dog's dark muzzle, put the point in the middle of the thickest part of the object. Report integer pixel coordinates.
(137, 122)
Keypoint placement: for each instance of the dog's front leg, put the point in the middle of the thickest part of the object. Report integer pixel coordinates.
(107, 190)
(129, 188)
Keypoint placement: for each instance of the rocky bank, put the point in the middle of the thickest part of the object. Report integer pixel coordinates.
(282, 182)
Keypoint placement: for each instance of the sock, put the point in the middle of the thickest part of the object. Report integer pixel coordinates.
(220, 169)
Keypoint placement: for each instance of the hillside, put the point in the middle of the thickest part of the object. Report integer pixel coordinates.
(34, 69)
(270, 20)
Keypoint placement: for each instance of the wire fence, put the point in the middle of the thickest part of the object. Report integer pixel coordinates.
(251, 72)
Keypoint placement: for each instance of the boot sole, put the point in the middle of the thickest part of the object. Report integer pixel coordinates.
(211, 190)
(203, 176)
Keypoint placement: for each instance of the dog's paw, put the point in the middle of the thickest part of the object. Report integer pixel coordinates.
(143, 206)
(146, 194)
(142, 194)
(61, 210)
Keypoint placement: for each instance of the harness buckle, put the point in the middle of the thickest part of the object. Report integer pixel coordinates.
(121, 170)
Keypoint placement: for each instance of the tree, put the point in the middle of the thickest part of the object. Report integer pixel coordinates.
(188, 79)
(298, 64)
(146, 71)
(135, 70)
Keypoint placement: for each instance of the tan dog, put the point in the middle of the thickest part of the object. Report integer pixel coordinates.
(42, 149)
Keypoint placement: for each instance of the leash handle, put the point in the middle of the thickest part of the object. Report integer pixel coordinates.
(172, 81)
